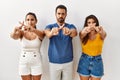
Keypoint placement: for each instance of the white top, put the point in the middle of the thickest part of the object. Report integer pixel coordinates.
(31, 44)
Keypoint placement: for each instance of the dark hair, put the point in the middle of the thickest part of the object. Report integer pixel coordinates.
(61, 7)
(33, 14)
(85, 39)
(91, 17)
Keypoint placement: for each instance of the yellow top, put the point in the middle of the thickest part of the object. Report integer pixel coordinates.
(93, 47)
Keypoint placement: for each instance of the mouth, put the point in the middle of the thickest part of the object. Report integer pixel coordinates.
(61, 20)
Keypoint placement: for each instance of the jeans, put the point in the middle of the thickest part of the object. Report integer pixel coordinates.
(90, 66)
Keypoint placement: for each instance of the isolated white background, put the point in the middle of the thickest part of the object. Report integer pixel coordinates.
(13, 11)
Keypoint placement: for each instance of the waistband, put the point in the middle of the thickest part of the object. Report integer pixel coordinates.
(30, 50)
(83, 54)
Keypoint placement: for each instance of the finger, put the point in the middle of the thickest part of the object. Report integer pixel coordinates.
(60, 27)
(21, 24)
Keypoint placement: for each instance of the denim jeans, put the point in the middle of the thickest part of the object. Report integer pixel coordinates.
(90, 66)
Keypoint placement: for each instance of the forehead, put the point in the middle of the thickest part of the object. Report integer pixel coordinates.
(60, 10)
(90, 20)
(30, 16)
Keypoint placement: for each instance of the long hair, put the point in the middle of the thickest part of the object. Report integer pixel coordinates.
(85, 39)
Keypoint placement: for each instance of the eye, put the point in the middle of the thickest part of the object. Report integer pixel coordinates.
(32, 19)
(88, 22)
(58, 13)
(63, 14)
(28, 19)
(91, 22)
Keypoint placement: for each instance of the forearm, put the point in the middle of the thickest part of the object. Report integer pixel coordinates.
(16, 35)
(103, 34)
(48, 33)
(82, 34)
(41, 34)
(73, 33)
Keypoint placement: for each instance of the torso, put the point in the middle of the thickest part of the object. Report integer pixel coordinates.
(30, 40)
(31, 44)
(92, 35)
(29, 35)
(93, 47)
(60, 48)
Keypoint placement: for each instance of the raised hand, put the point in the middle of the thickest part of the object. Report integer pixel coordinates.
(55, 31)
(99, 29)
(25, 27)
(87, 29)
(66, 31)
(21, 24)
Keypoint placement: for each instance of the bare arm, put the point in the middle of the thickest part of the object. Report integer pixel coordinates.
(69, 32)
(102, 33)
(41, 34)
(54, 31)
(17, 33)
(48, 33)
(73, 32)
(84, 32)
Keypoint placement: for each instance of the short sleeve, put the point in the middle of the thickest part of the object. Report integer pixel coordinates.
(72, 26)
(48, 27)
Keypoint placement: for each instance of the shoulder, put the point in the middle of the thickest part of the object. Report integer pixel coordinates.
(98, 36)
(70, 25)
(50, 26)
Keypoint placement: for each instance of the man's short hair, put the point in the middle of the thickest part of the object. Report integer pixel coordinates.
(61, 7)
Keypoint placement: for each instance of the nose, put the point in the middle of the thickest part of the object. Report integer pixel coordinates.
(90, 24)
(60, 15)
(29, 22)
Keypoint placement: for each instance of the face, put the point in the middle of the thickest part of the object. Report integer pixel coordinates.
(61, 15)
(30, 20)
(91, 23)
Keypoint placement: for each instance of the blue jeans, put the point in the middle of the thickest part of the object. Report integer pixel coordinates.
(90, 66)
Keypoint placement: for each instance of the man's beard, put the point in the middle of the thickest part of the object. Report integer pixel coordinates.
(61, 20)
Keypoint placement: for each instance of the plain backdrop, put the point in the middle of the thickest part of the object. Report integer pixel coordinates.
(13, 11)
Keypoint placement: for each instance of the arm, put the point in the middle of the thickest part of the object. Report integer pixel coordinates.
(70, 31)
(84, 32)
(73, 32)
(41, 34)
(17, 34)
(102, 33)
(54, 31)
(48, 33)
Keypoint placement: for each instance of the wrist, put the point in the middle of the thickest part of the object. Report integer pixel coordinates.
(51, 32)
(70, 32)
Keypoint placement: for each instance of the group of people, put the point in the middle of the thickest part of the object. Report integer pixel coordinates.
(60, 50)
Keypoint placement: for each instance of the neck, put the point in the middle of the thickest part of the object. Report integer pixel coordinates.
(92, 33)
(60, 24)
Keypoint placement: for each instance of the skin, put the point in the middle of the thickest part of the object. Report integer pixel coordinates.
(92, 30)
(28, 31)
(60, 17)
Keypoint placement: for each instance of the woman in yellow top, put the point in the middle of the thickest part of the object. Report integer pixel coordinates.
(92, 37)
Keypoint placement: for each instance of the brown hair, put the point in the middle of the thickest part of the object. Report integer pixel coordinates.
(85, 39)
(33, 14)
